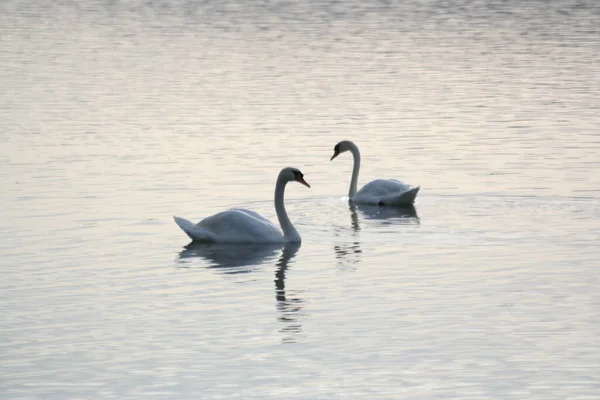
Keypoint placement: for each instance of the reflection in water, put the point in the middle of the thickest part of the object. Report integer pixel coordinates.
(349, 253)
(403, 215)
(235, 259)
(287, 306)
(354, 218)
(231, 258)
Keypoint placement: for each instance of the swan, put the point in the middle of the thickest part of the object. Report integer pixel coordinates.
(382, 192)
(239, 225)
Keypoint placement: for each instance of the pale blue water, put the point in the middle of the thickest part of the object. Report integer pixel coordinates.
(116, 115)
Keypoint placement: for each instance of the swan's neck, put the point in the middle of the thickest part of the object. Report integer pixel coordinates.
(354, 180)
(290, 234)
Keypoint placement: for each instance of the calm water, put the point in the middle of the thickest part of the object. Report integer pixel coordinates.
(116, 115)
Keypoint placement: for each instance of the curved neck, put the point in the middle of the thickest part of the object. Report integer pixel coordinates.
(354, 180)
(290, 233)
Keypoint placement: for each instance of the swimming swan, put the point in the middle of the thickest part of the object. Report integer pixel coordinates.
(239, 225)
(383, 192)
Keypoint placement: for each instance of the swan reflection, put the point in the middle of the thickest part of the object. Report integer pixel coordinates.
(350, 253)
(287, 305)
(406, 214)
(347, 253)
(231, 258)
(236, 259)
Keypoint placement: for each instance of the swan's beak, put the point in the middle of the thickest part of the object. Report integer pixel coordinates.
(302, 181)
(335, 154)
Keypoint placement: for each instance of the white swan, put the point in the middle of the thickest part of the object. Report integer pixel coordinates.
(383, 192)
(239, 225)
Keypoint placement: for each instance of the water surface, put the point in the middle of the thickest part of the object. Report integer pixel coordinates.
(114, 116)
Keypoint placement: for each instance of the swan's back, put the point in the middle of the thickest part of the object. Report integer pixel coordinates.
(386, 192)
(384, 187)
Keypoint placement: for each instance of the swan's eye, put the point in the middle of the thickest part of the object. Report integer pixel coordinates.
(336, 148)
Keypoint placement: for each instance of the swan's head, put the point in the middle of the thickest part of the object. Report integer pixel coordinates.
(339, 148)
(293, 174)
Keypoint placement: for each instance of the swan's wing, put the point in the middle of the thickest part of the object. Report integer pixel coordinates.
(241, 226)
(386, 192)
(253, 214)
(399, 184)
(194, 231)
(401, 199)
(382, 187)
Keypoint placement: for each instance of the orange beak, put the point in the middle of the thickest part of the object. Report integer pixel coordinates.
(302, 181)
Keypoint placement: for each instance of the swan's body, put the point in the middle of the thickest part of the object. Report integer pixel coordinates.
(386, 192)
(383, 192)
(239, 225)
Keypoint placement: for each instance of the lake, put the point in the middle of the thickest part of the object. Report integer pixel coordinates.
(117, 115)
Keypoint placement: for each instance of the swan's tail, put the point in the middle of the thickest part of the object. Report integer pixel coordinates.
(405, 199)
(195, 232)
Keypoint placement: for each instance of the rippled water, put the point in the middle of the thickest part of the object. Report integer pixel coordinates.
(114, 116)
